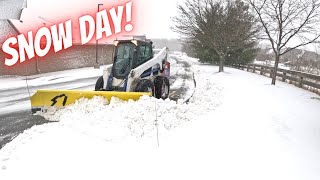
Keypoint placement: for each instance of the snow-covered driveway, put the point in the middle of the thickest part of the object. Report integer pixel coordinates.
(236, 126)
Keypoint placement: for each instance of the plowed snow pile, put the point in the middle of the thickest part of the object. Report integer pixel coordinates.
(115, 120)
(118, 119)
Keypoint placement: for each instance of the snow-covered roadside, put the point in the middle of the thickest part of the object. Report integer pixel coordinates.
(12, 82)
(236, 126)
(258, 132)
(265, 129)
(14, 95)
(21, 102)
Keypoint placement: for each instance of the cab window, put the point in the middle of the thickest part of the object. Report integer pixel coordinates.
(122, 63)
(144, 54)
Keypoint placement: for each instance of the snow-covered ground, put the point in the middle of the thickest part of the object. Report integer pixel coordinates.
(271, 63)
(236, 126)
(182, 83)
(13, 82)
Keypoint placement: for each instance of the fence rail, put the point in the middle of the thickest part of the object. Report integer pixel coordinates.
(304, 80)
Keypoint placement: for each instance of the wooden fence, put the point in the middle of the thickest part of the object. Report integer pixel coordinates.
(304, 80)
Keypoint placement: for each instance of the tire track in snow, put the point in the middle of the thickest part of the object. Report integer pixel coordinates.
(179, 91)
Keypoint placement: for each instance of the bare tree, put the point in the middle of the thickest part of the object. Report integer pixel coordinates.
(288, 24)
(221, 25)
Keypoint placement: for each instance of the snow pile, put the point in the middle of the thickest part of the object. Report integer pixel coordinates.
(118, 119)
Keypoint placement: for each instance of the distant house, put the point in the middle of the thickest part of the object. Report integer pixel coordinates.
(297, 59)
(77, 56)
(290, 57)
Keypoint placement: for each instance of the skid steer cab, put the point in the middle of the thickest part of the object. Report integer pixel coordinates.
(136, 68)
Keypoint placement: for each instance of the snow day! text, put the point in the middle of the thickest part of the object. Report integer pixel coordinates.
(60, 36)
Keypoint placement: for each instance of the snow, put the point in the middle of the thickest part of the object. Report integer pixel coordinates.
(183, 75)
(236, 126)
(14, 94)
(6, 30)
(12, 82)
(10, 9)
(21, 102)
(271, 63)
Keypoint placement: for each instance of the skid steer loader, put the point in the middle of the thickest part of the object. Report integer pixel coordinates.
(136, 71)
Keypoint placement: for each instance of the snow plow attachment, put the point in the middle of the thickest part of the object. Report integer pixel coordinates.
(43, 99)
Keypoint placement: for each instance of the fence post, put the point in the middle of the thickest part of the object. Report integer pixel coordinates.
(254, 69)
(248, 66)
(284, 77)
(300, 81)
(271, 73)
(261, 71)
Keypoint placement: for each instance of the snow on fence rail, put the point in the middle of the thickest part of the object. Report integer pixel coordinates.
(304, 80)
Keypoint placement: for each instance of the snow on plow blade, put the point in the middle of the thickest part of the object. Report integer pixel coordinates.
(58, 98)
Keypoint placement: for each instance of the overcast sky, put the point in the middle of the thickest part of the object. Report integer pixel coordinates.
(154, 15)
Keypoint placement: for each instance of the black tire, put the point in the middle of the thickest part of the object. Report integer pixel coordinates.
(99, 84)
(162, 87)
(145, 86)
(167, 82)
(158, 86)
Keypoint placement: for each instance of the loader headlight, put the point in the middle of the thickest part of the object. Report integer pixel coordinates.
(115, 43)
(135, 42)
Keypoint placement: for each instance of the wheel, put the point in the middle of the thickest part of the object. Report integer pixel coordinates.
(145, 86)
(99, 84)
(162, 87)
(167, 84)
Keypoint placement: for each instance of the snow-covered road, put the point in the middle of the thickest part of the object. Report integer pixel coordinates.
(236, 126)
(14, 95)
(15, 110)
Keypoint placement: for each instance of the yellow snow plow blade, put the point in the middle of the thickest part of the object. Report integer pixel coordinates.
(60, 98)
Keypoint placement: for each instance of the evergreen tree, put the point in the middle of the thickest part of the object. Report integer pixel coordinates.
(219, 32)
